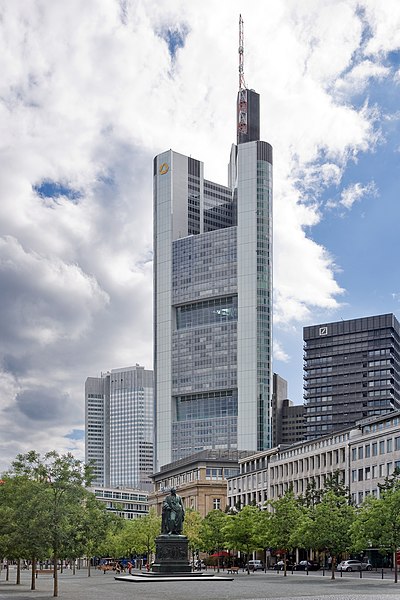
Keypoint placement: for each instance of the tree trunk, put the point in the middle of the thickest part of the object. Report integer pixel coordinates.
(284, 565)
(33, 574)
(88, 567)
(7, 571)
(74, 567)
(18, 581)
(395, 565)
(55, 577)
(333, 567)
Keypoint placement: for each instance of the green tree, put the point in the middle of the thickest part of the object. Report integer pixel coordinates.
(62, 479)
(23, 528)
(192, 529)
(146, 529)
(312, 495)
(93, 522)
(334, 483)
(378, 520)
(241, 531)
(212, 532)
(330, 526)
(283, 523)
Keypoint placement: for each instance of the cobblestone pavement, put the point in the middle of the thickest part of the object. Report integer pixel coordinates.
(257, 586)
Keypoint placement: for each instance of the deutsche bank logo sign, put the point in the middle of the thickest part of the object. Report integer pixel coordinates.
(323, 331)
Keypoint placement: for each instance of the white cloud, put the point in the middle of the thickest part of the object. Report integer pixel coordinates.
(88, 96)
(360, 75)
(279, 352)
(384, 21)
(355, 192)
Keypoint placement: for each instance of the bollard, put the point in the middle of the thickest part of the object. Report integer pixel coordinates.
(382, 572)
(323, 571)
(360, 573)
(341, 572)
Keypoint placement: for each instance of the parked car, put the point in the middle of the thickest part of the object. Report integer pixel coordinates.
(306, 565)
(280, 564)
(255, 565)
(354, 565)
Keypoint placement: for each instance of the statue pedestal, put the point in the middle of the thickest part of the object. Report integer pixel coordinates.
(171, 555)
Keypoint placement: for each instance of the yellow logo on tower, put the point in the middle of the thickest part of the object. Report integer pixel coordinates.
(164, 168)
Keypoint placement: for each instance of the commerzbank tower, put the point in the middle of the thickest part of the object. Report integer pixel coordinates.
(213, 295)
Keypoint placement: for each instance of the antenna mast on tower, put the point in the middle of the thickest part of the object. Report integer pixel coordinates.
(242, 83)
(242, 94)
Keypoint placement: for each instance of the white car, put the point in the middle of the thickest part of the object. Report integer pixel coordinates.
(256, 565)
(354, 565)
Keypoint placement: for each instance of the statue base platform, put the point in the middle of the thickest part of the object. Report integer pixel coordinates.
(170, 577)
(171, 555)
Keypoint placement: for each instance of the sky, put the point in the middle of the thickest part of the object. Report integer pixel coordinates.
(92, 91)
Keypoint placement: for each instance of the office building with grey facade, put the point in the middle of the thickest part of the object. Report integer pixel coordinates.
(288, 422)
(119, 411)
(213, 298)
(351, 372)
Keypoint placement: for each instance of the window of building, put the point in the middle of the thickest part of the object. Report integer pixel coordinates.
(397, 443)
(367, 473)
(354, 454)
(389, 445)
(217, 503)
(367, 451)
(374, 448)
(360, 475)
(382, 447)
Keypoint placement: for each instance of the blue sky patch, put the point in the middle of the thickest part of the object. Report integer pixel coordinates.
(55, 189)
(76, 434)
(175, 38)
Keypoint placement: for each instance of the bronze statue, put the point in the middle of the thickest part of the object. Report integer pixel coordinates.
(173, 514)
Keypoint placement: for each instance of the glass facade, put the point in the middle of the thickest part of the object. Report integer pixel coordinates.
(120, 427)
(96, 411)
(208, 312)
(213, 302)
(264, 288)
(131, 428)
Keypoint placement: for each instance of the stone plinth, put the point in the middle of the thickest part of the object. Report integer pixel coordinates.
(171, 555)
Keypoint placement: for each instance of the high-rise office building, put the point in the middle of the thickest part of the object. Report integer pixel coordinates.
(213, 297)
(97, 427)
(288, 422)
(351, 371)
(120, 427)
(279, 395)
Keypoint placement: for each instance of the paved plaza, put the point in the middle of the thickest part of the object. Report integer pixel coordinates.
(257, 586)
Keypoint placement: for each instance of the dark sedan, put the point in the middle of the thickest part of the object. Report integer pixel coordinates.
(306, 565)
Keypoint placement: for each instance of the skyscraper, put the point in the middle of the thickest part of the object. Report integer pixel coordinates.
(351, 371)
(120, 427)
(213, 297)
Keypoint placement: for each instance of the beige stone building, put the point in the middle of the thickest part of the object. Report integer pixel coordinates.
(363, 455)
(200, 479)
